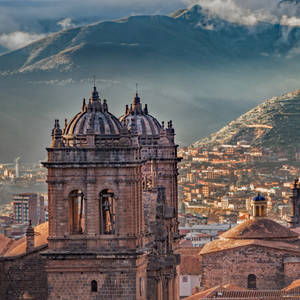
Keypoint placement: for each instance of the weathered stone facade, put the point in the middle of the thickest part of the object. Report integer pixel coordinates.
(122, 177)
(112, 187)
(235, 265)
(257, 254)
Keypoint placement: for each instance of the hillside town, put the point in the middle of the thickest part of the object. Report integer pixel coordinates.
(216, 185)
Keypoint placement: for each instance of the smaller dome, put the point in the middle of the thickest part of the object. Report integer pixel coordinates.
(146, 124)
(259, 229)
(259, 198)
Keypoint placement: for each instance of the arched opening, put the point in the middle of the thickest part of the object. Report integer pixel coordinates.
(256, 211)
(107, 209)
(94, 286)
(76, 212)
(251, 281)
(262, 211)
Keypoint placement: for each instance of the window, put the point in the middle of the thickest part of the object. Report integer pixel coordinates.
(251, 281)
(94, 286)
(107, 208)
(77, 211)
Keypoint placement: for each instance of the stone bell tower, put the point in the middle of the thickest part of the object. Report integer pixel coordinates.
(295, 205)
(160, 198)
(96, 215)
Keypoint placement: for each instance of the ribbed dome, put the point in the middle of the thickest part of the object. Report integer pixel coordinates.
(103, 123)
(144, 122)
(95, 118)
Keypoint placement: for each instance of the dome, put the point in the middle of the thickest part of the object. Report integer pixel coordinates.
(144, 122)
(259, 229)
(94, 117)
(259, 198)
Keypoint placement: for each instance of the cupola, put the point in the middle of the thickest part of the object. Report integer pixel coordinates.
(259, 207)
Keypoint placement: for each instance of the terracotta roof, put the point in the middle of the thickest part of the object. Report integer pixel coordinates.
(40, 239)
(190, 261)
(227, 244)
(202, 295)
(235, 292)
(259, 229)
(5, 242)
(293, 287)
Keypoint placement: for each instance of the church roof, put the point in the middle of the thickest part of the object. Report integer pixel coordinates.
(228, 244)
(293, 287)
(5, 242)
(259, 229)
(18, 247)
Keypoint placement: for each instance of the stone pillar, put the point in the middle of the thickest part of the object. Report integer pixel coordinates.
(29, 238)
(92, 218)
(170, 288)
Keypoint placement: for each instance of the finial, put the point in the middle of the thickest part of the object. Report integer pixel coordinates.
(146, 109)
(136, 89)
(56, 123)
(94, 77)
(105, 106)
(83, 105)
(66, 122)
(126, 109)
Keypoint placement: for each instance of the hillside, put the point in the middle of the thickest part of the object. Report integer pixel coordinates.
(273, 124)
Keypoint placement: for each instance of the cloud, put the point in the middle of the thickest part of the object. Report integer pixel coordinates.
(232, 11)
(66, 23)
(292, 21)
(250, 12)
(18, 39)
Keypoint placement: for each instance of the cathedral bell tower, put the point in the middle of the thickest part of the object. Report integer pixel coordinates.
(96, 215)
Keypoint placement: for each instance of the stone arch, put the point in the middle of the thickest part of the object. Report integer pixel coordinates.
(94, 286)
(107, 211)
(251, 284)
(77, 210)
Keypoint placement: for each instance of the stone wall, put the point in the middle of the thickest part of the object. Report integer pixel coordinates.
(23, 274)
(291, 269)
(116, 279)
(235, 265)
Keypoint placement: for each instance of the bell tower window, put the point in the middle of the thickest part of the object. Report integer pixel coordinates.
(76, 212)
(107, 208)
(251, 281)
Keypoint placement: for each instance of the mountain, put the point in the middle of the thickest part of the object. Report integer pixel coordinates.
(192, 66)
(273, 124)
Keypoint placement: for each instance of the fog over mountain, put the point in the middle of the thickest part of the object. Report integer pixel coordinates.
(196, 66)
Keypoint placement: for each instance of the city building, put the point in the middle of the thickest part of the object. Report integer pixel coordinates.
(25, 208)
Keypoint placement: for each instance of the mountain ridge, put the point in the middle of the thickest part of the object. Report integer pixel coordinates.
(272, 124)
